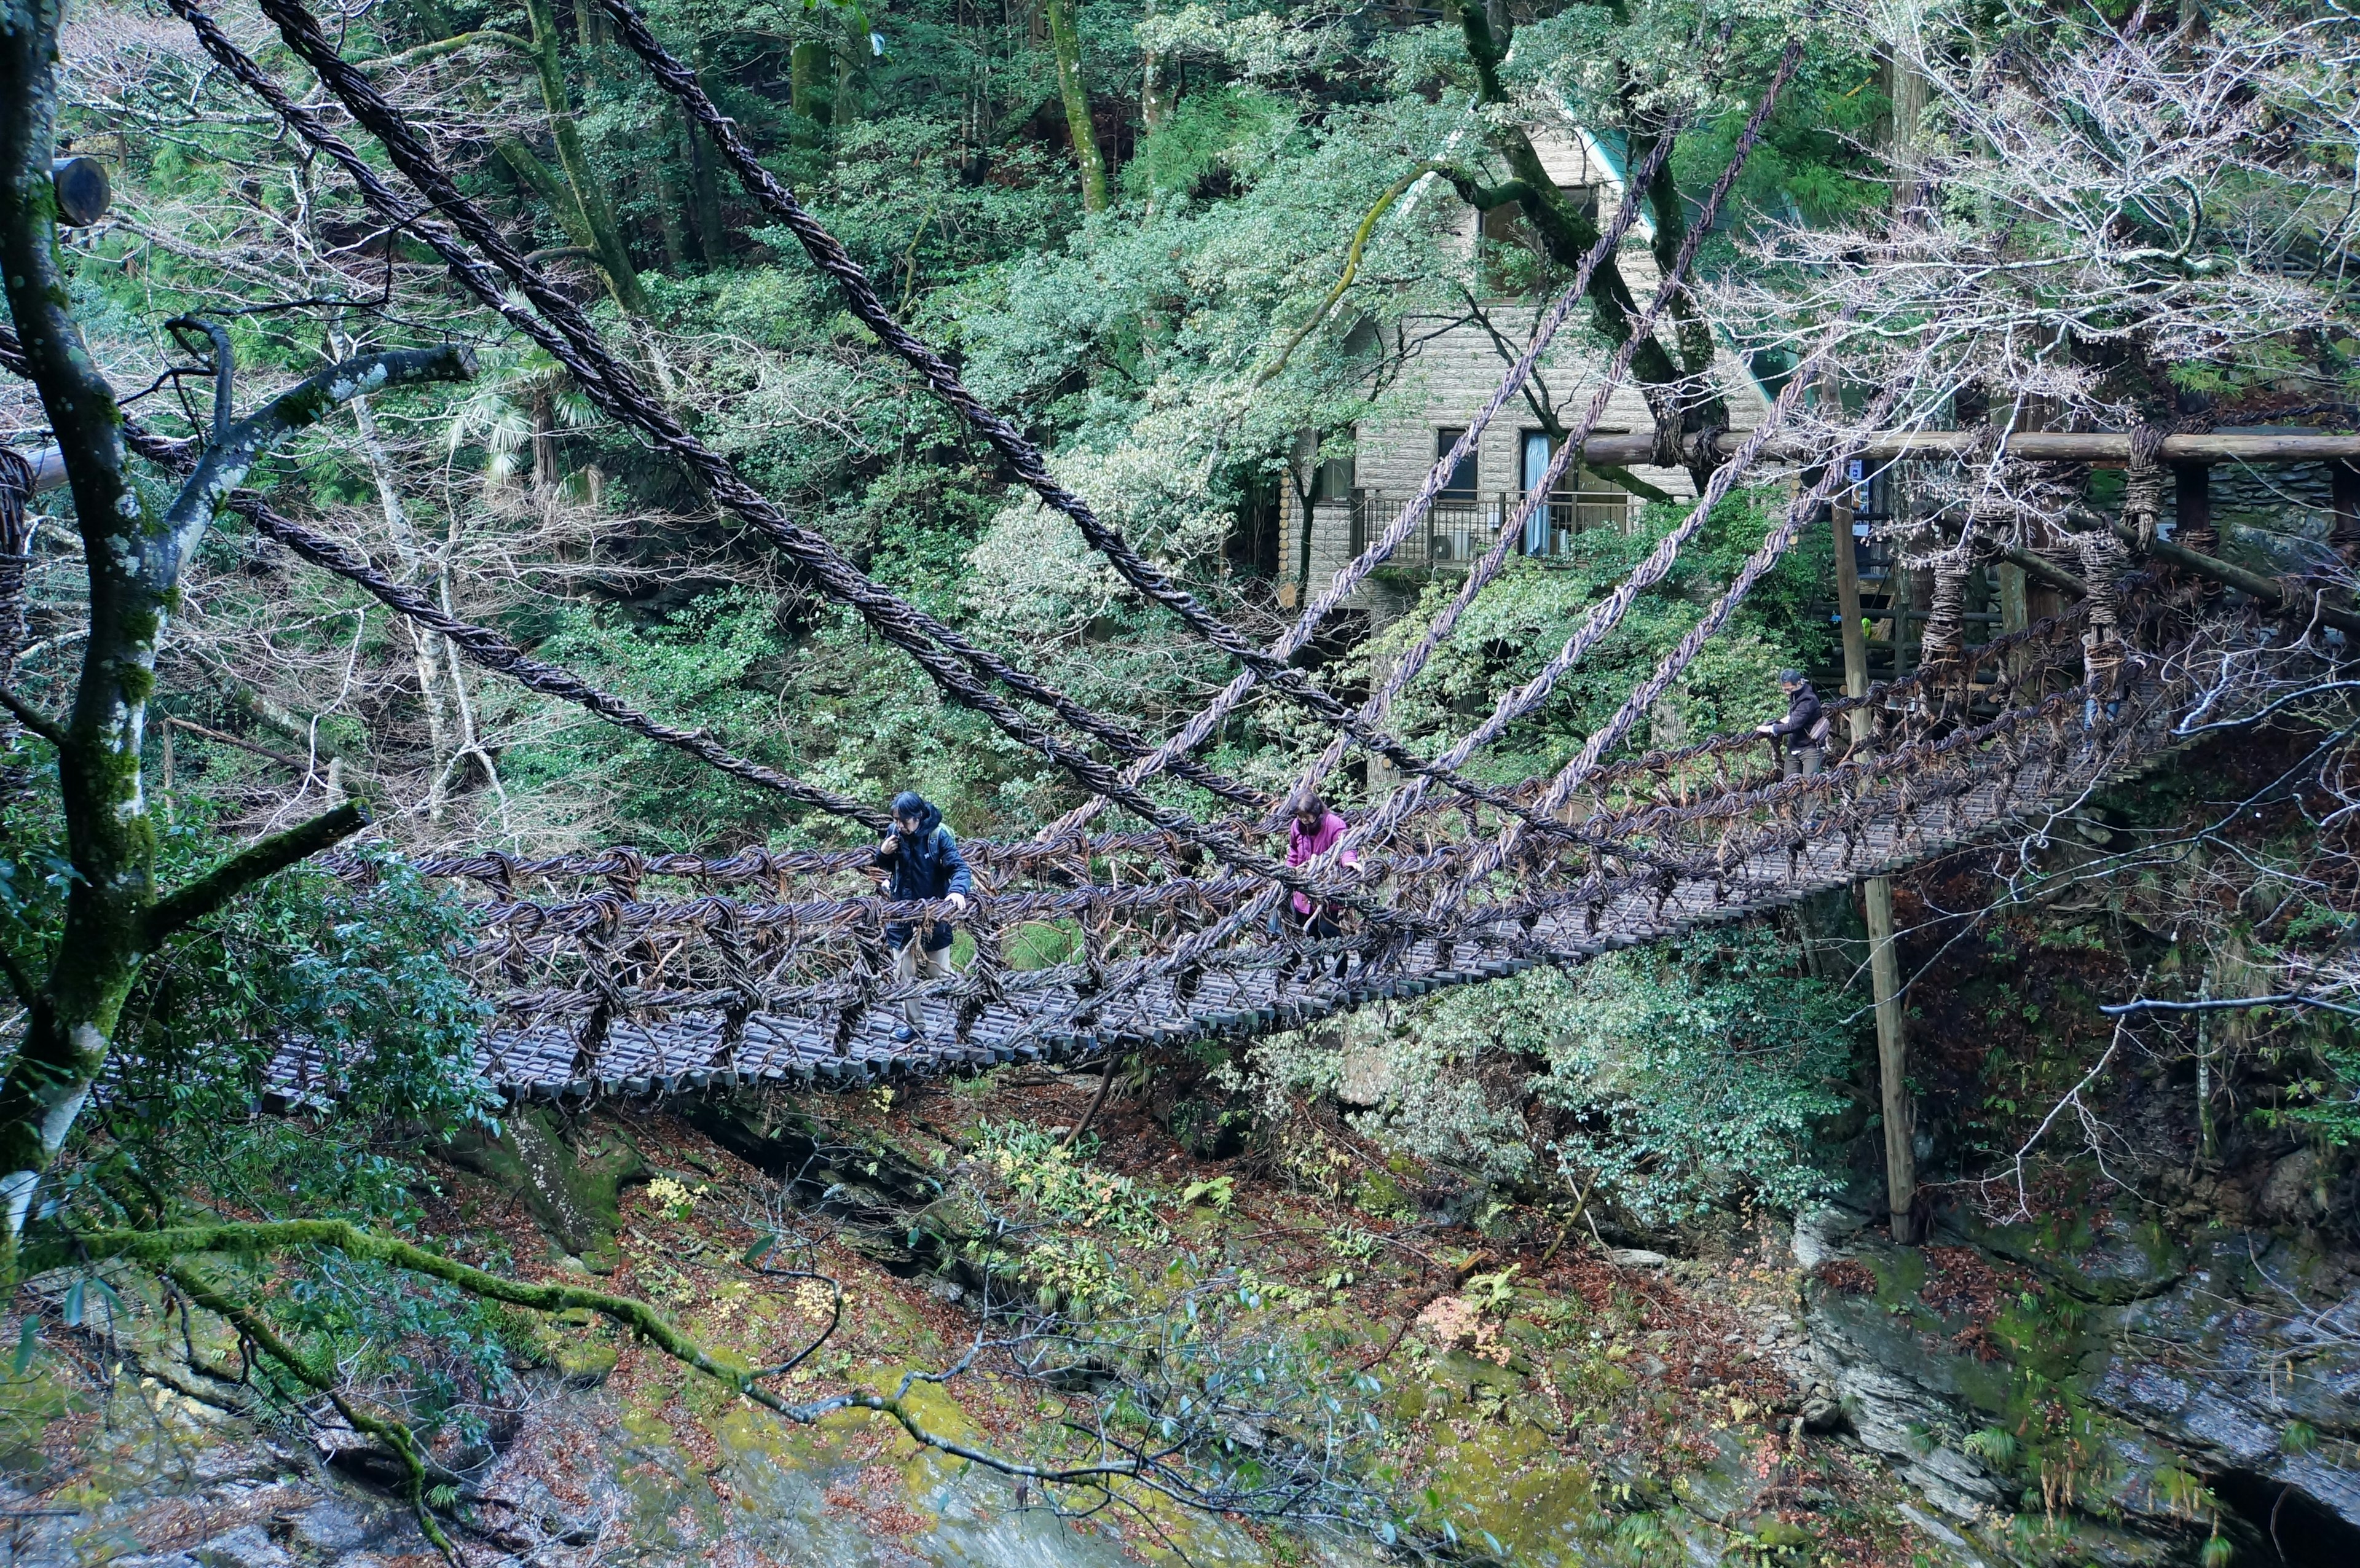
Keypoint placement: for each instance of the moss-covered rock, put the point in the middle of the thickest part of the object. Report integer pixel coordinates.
(2107, 1385)
(570, 1176)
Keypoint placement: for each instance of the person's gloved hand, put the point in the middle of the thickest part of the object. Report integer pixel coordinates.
(959, 903)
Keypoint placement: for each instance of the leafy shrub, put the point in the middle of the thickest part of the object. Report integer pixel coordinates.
(357, 970)
(1054, 1185)
(1674, 1074)
(1681, 1068)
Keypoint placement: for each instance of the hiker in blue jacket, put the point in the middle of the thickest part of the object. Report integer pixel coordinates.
(923, 859)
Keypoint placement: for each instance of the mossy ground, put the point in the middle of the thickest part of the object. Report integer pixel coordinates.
(1540, 1403)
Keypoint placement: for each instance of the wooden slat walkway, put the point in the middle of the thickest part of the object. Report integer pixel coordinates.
(683, 1051)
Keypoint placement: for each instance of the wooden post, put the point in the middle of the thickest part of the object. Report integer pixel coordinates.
(1892, 1062)
(2015, 613)
(2015, 599)
(2191, 507)
(1855, 637)
(2343, 504)
(1897, 596)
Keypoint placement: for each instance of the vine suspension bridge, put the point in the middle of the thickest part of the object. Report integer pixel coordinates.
(622, 974)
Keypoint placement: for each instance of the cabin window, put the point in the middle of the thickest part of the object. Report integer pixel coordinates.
(1332, 480)
(1467, 477)
(1578, 501)
(1538, 448)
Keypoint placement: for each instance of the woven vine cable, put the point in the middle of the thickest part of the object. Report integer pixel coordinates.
(1608, 614)
(1267, 665)
(1895, 769)
(1021, 455)
(1494, 561)
(481, 645)
(16, 555)
(1674, 664)
(1348, 577)
(575, 343)
(1945, 634)
(567, 335)
(2143, 481)
(16, 558)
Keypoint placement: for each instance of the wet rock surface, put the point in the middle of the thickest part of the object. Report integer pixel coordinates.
(2151, 1393)
(585, 1481)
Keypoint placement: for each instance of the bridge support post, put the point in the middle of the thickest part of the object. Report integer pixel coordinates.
(2014, 615)
(1892, 1062)
(1856, 635)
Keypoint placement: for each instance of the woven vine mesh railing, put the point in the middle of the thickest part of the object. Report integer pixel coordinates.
(616, 973)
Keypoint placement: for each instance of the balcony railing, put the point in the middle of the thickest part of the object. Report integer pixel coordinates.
(1461, 527)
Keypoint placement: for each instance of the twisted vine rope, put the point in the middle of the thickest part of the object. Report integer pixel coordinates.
(15, 560)
(629, 962)
(557, 324)
(16, 552)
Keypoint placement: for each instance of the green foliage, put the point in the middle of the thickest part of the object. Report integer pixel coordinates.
(2323, 1101)
(1218, 1191)
(357, 970)
(1052, 1182)
(354, 968)
(1686, 1069)
(1680, 1077)
(1205, 133)
(1995, 1446)
(450, 1353)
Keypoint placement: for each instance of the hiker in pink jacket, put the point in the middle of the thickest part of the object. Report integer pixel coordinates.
(1313, 832)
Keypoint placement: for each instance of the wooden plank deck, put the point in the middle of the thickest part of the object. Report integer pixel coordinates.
(688, 1050)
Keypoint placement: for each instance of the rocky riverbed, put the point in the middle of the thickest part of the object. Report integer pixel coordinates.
(1785, 1394)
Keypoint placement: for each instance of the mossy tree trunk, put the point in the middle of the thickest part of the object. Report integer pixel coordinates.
(589, 194)
(134, 547)
(807, 82)
(1566, 231)
(852, 59)
(1159, 85)
(704, 188)
(1066, 41)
